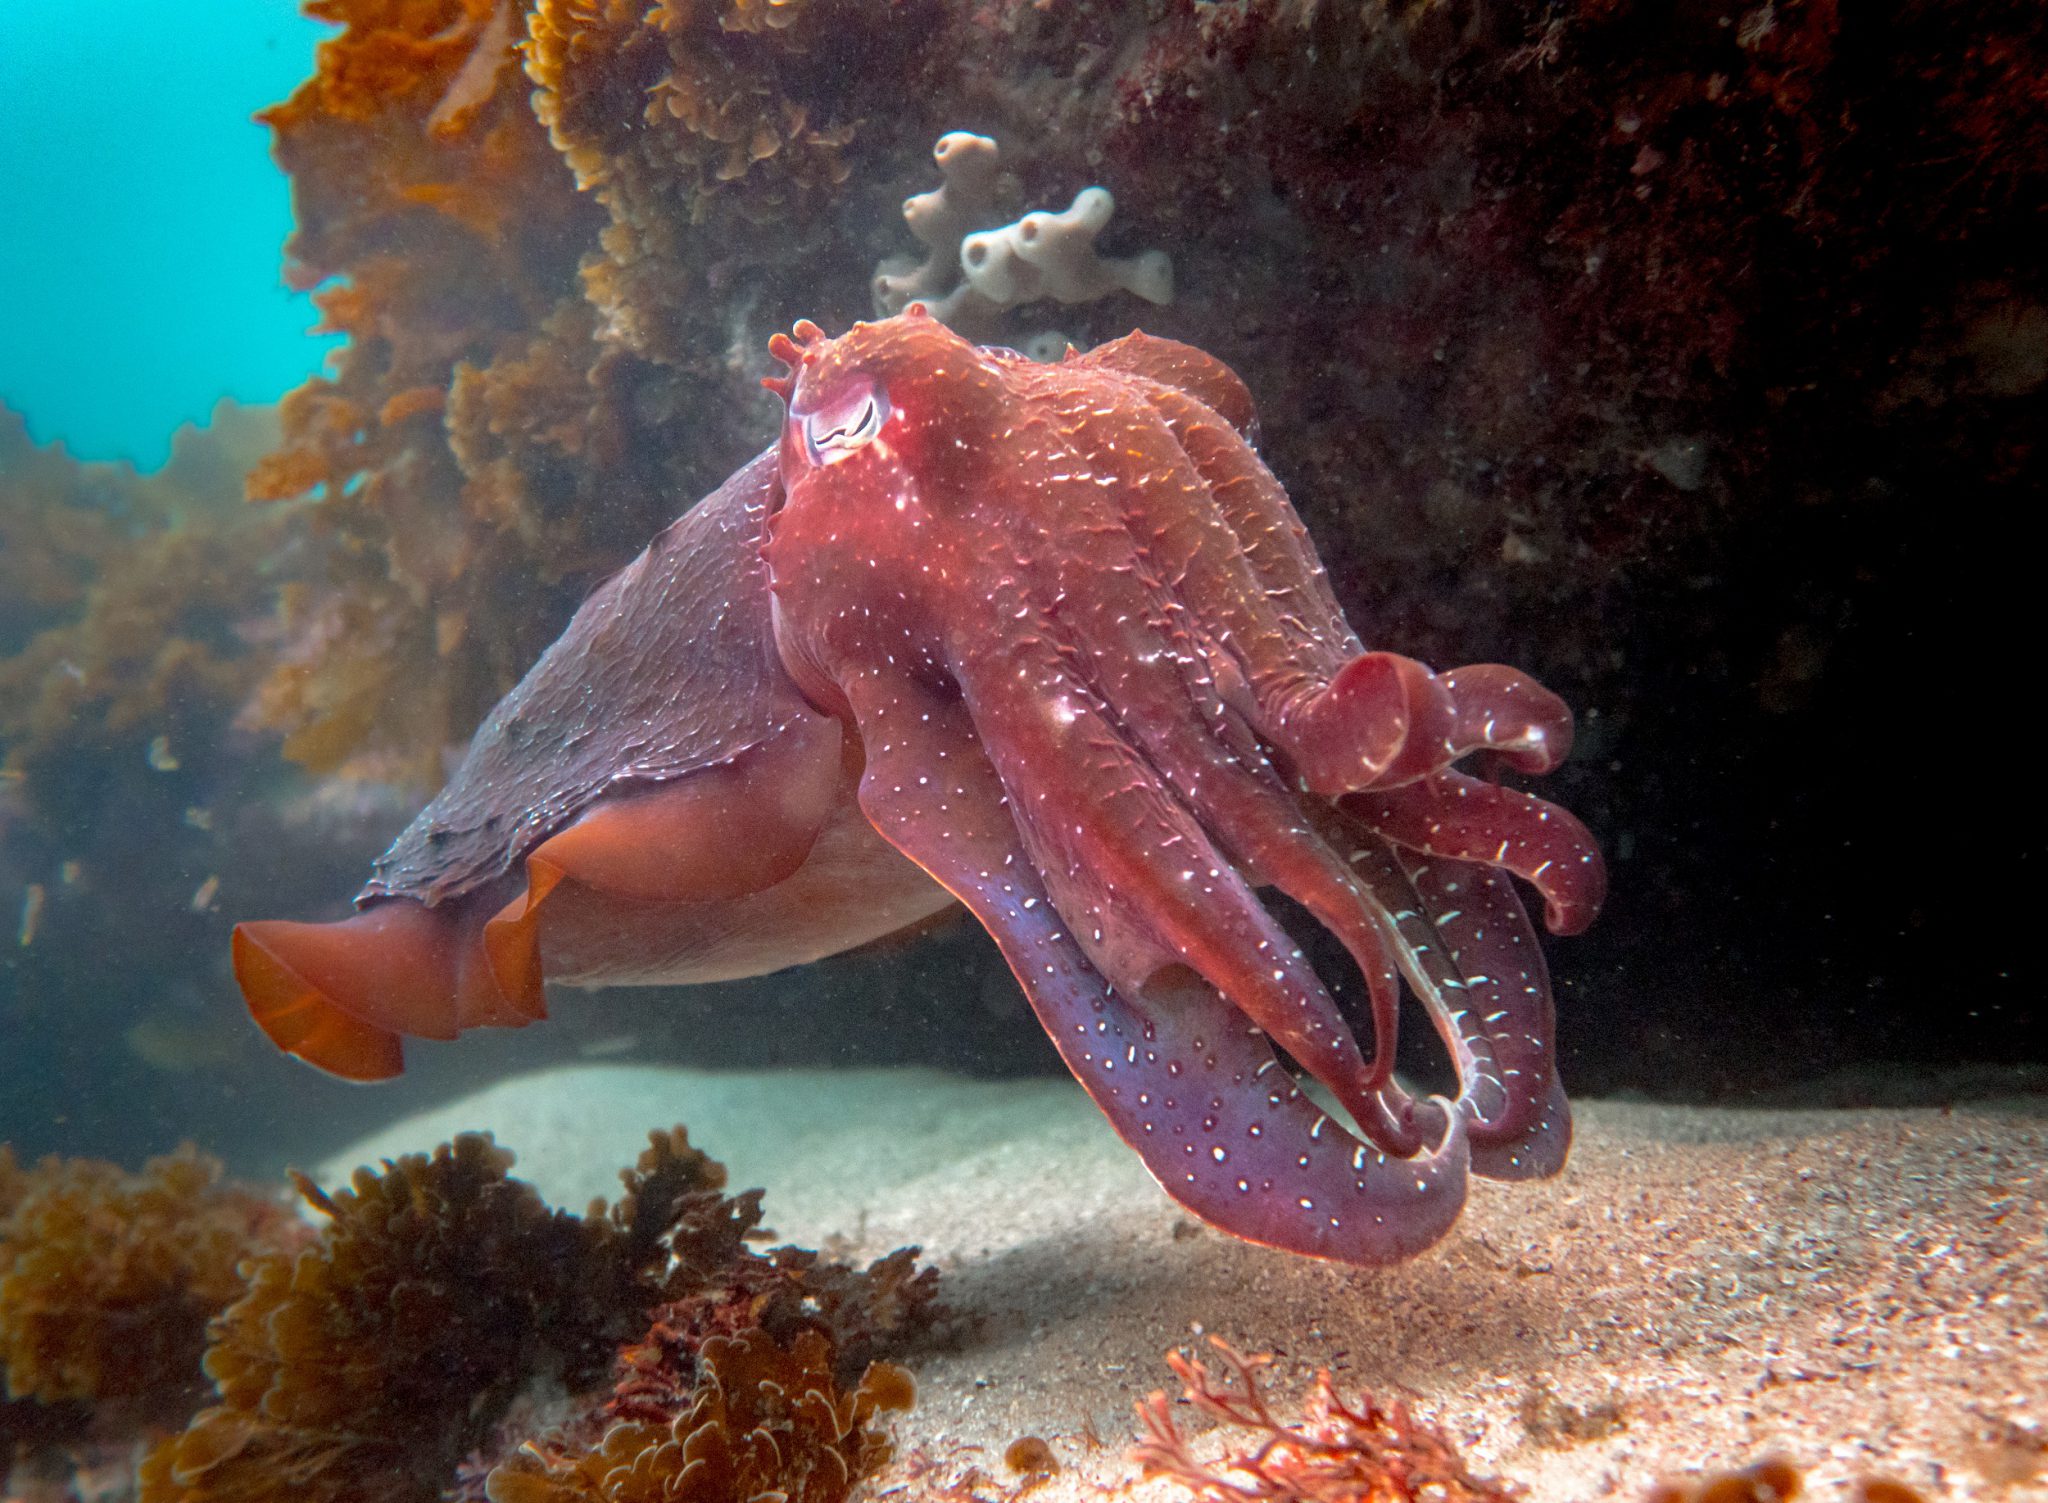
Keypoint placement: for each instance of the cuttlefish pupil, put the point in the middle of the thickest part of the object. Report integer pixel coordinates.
(831, 437)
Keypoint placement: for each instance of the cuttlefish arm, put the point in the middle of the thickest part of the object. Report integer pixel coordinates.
(1201, 1096)
(656, 754)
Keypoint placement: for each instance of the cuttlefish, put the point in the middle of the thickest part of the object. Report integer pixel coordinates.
(1050, 641)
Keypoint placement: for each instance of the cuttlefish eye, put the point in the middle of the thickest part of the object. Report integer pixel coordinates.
(845, 422)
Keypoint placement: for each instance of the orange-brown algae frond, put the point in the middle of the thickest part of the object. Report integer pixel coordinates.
(759, 1377)
(675, 1214)
(414, 401)
(732, 121)
(108, 1279)
(1771, 1480)
(1030, 1456)
(890, 1388)
(441, 1288)
(762, 1420)
(123, 595)
(367, 1364)
(421, 178)
(13, 1181)
(760, 15)
(521, 216)
(1340, 1452)
(886, 1308)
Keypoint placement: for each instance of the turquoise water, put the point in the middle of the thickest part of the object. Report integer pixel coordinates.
(142, 218)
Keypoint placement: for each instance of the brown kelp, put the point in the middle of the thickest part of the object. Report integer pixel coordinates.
(108, 1278)
(441, 1290)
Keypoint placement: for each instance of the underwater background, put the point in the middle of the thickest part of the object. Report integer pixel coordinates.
(144, 215)
(1694, 367)
(1692, 358)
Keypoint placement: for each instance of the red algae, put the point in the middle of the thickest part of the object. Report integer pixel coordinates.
(1341, 1451)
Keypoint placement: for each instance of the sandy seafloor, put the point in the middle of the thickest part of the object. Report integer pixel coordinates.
(1865, 1292)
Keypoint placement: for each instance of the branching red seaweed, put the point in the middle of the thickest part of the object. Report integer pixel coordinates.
(1341, 1452)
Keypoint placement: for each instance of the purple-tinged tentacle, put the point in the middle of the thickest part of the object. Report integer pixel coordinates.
(1184, 1081)
(1131, 865)
(1471, 956)
(1384, 721)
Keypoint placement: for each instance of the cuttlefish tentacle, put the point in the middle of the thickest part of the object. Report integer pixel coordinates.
(1115, 679)
(1350, 719)
(1201, 1097)
(1169, 671)
(1470, 954)
(1263, 609)
(1164, 617)
(1468, 819)
(1502, 710)
(1133, 870)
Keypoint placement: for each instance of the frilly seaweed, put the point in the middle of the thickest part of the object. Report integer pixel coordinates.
(442, 234)
(545, 270)
(760, 1419)
(760, 1375)
(13, 1181)
(108, 1279)
(700, 127)
(441, 1290)
(123, 597)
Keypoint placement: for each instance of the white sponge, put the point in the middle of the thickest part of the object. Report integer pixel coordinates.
(968, 274)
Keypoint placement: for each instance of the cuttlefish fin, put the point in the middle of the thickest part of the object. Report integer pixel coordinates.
(340, 995)
(721, 833)
(343, 995)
